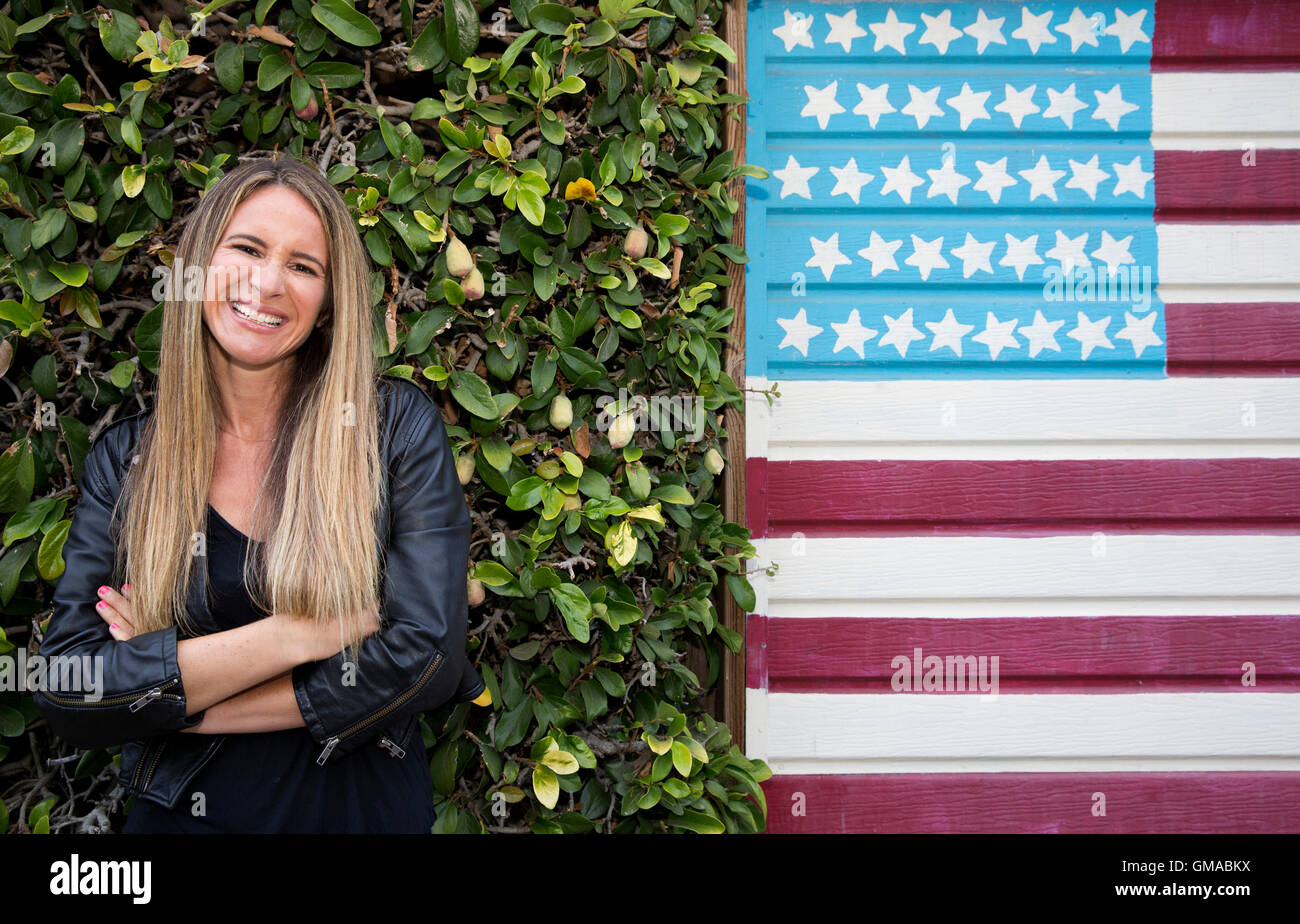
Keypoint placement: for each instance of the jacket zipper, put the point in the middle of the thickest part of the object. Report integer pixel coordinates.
(348, 732)
(157, 757)
(137, 701)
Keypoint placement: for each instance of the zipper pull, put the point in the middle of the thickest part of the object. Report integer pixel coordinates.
(147, 698)
(392, 747)
(329, 746)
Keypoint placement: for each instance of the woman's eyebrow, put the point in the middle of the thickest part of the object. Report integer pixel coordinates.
(261, 243)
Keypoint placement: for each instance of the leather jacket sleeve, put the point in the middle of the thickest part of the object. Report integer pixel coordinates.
(129, 689)
(416, 661)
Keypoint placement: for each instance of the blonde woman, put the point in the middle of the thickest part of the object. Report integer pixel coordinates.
(239, 539)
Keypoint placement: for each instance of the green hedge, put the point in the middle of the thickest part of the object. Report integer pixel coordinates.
(544, 196)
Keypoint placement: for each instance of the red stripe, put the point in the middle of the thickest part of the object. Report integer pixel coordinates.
(1224, 35)
(1265, 802)
(1247, 338)
(1028, 497)
(1065, 654)
(1217, 186)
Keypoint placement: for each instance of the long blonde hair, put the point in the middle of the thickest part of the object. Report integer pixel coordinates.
(319, 501)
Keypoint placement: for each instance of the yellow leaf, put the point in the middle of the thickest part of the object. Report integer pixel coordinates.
(580, 188)
(546, 786)
(562, 762)
(647, 513)
(657, 744)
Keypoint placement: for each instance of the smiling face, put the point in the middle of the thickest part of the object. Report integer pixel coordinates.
(272, 262)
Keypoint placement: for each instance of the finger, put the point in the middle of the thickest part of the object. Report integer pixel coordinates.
(110, 616)
(120, 605)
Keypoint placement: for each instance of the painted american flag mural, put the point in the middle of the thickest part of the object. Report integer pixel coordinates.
(1026, 279)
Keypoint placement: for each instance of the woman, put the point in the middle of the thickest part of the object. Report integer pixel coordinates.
(273, 495)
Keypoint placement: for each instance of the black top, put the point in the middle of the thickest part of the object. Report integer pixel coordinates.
(269, 782)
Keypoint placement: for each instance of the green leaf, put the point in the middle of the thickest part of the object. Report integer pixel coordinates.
(682, 758)
(715, 44)
(492, 573)
(12, 723)
(341, 18)
(429, 50)
(462, 29)
(551, 18)
(742, 591)
(49, 557)
(17, 141)
(698, 822)
(575, 608)
(473, 394)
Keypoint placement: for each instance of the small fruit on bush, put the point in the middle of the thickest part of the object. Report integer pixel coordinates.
(636, 242)
(561, 412)
(713, 461)
(621, 430)
(459, 262)
(308, 112)
(465, 469)
(473, 284)
(475, 592)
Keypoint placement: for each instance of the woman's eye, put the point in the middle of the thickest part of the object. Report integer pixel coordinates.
(306, 267)
(246, 248)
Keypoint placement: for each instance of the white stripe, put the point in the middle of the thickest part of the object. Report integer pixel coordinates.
(991, 576)
(959, 733)
(1228, 263)
(1025, 419)
(1223, 111)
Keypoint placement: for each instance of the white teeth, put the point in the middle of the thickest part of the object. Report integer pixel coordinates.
(247, 312)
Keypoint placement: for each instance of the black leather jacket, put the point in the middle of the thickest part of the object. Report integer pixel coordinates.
(415, 663)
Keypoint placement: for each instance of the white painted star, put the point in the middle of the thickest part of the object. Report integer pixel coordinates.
(1021, 254)
(925, 256)
(969, 105)
(1128, 29)
(826, 255)
(851, 334)
(874, 102)
(1132, 178)
(997, 335)
(1140, 332)
(821, 103)
(939, 31)
(892, 33)
(1042, 179)
(844, 29)
(948, 333)
(795, 30)
(986, 31)
(1086, 177)
(1114, 253)
(1069, 252)
(1041, 334)
(1033, 29)
(993, 178)
(1063, 106)
(901, 180)
(881, 252)
(923, 105)
(798, 332)
(1018, 103)
(1080, 30)
(901, 332)
(849, 180)
(1091, 334)
(794, 179)
(974, 255)
(1111, 106)
(946, 181)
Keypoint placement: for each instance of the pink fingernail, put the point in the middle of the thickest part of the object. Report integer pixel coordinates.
(100, 605)
(113, 626)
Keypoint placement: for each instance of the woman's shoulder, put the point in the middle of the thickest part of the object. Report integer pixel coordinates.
(408, 409)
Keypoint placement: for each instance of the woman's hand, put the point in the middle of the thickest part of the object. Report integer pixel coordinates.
(115, 609)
